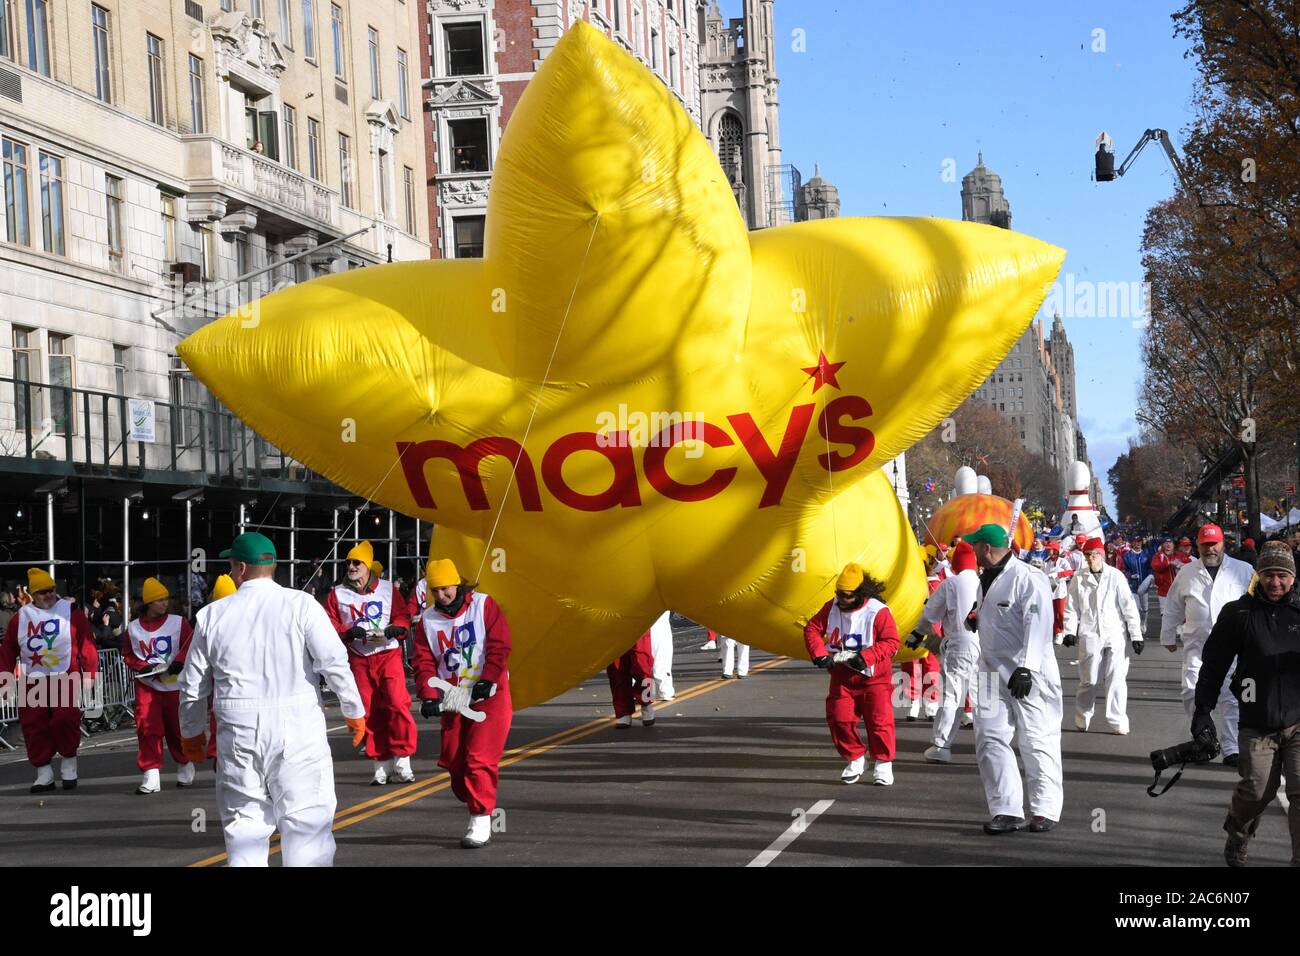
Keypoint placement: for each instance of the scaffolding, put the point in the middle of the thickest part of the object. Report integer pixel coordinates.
(783, 184)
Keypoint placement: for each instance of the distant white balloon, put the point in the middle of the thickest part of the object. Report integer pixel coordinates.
(966, 483)
(985, 486)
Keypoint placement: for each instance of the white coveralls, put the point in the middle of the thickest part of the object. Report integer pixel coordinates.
(1191, 608)
(260, 654)
(661, 646)
(959, 651)
(1101, 612)
(1015, 628)
(735, 657)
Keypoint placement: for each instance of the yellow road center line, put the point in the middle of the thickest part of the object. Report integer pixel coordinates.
(415, 791)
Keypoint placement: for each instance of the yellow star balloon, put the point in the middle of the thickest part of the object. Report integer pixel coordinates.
(630, 403)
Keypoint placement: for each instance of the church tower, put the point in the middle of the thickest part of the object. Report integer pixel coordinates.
(739, 108)
(982, 199)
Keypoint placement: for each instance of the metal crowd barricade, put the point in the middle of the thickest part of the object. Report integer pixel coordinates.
(8, 715)
(117, 687)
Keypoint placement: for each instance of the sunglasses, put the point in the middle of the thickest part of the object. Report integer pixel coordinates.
(361, 564)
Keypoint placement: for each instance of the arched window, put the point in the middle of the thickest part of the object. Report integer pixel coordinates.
(730, 142)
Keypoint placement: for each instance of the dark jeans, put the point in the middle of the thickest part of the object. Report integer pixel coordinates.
(1264, 758)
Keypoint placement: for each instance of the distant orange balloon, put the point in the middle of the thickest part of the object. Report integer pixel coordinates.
(966, 513)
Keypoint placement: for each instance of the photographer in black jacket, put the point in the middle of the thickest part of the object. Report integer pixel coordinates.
(1261, 631)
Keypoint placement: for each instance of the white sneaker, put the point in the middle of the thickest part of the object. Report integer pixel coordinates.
(68, 772)
(1080, 724)
(709, 646)
(647, 715)
(478, 834)
(151, 783)
(44, 779)
(914, 710)
(937, 755)
(381, 773)
(185, 775)
(882, 774)
(967, 721)
(402, 770)
(853, 771)
(623, 723)
(931, 711)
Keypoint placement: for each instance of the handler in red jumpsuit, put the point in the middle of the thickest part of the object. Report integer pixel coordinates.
(855, 638)
(631, 682)
(52, 642)
(154, 648)
(371, 617)
(462, 639)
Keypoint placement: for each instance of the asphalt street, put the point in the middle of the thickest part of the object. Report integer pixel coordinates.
(734, 773)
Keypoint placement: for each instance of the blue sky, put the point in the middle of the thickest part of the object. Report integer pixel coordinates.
(886, 92)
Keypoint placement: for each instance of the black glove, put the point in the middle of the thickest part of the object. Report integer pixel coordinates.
(356, 633)
(1069, 640)
(973, 619)
(431, 708)
(481, 690)
(823, 662)
(1201, 722)
(856, 664)
(176, 667)
(914, 640)
(1137, 646)
(1020, 683)
(394, 631)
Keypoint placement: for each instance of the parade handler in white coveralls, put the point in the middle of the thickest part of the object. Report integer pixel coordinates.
(1200, 590)
(1019, 688)
(959, 648)
(1102, 617)
(260, 654)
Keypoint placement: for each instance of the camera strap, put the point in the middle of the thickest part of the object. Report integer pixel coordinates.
(1151, 790)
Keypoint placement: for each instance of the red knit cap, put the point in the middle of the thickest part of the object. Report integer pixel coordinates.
(963, 558)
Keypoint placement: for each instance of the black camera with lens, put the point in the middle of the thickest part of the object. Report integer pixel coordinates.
(1202, 748)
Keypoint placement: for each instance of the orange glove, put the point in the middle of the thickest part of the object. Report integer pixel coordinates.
(195, 749)
(358, 727)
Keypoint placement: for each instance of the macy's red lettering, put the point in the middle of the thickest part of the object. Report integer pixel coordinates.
(775, 466)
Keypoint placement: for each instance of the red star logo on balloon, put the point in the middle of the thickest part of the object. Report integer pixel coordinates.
(823, 373)
(605, 416)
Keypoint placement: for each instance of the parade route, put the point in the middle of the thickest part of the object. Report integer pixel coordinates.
(731, 770)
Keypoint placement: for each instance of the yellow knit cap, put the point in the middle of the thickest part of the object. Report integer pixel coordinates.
(363, 552)
(224, 587)
(153, 590)
(441, 573)
(850, 578)
(39, 580)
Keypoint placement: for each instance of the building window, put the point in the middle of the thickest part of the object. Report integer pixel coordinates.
(208, 251)
(464, 48)
(636, 30)
(61, 383)
(38, 36)
(408, 178)
(730, 143)
(169, 228)
(309, 29)
(313, 148)
(113, 197)
(17, 221)
(618, 16)
(672, 69)
(385, 185)
(121, 367)
(99, 41)
(469, 145)
(154, 48)
(468, 236)
(336, 28)
(654, 49)
(403, 83)
(255, 9)
(27, 362)
(7, 21)
(52, 203)
(375, 87)
(286, 24)
(290, 136)
(196, 94)
(345, 171)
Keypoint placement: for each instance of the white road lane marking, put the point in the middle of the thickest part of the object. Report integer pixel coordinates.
(792, 833)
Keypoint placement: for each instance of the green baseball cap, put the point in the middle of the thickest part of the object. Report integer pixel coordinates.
(251, 548)
(993, 534)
